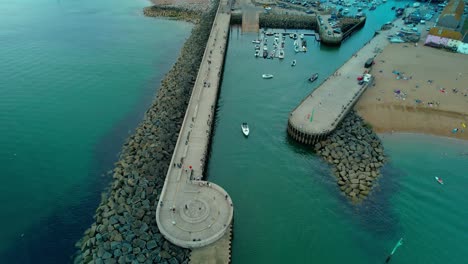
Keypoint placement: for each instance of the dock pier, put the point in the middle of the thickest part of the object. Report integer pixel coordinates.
(318, 114)
(193, 213)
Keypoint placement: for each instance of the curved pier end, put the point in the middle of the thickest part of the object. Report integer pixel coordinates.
(193, 213)
(322, 110)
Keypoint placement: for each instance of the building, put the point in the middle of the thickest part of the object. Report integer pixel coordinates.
(446, 38)
(452, 14)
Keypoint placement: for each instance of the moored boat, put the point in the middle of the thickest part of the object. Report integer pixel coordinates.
(281, 54)
(293, 63)
(313, 77)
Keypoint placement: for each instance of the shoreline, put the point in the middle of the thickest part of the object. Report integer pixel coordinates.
(418, 89)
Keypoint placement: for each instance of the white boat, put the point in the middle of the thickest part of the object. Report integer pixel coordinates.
(346, 11)
(301, 36)
(245, 129)
(281, 54)
(256, 41)
(416, 5)
(439, 180)
(293, 63)
(396, 40)
(257, 53)
(296, 49)
(267, 76)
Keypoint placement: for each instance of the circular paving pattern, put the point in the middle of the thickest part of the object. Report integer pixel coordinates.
(194, 211)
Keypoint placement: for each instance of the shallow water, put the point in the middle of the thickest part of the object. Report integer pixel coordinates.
(75, 78)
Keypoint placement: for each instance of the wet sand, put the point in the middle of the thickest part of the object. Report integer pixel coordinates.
(426, 102)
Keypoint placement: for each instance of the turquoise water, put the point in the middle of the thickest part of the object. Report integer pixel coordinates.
(288, 208)
(75, 79)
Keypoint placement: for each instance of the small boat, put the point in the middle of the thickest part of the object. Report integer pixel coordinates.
(296, 49)
(256, 41)
(257, 53)
(293, 63)
(269, 33)
(281, 54)
(267, 76)
(313, 77)
(245, 129)
(439, 180)
(294, 36)
(301, 36)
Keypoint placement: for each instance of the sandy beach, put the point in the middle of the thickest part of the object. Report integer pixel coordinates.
(418, 89)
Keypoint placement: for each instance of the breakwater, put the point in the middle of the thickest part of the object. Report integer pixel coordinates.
(348, 26)
(125, 228)
(170, 12)
(320, 112)
(191, 212)
(356, 154)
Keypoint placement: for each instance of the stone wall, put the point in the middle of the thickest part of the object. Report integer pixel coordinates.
(125, 228)
(287, 21)
(356, 154)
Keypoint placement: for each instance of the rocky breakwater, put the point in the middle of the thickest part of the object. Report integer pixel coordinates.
(125, 229)
(356, 154)
(178, 13)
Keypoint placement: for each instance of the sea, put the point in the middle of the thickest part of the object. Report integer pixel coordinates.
(76, 78)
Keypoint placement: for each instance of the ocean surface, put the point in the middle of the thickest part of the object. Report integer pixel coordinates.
(288, 208)
(75, 78)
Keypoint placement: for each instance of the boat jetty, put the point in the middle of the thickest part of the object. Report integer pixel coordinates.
(322, 110)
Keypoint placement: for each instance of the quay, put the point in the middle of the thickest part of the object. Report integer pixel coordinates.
(321, 111)
(191, 212)
(328, 36)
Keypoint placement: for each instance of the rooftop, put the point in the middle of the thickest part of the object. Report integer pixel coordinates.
(455, 8)
(445, 33)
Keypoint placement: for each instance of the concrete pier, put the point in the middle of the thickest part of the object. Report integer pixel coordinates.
(191, 212)
(322, 110)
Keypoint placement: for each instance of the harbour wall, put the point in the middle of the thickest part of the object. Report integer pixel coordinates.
(125, 229)
(337, 39)
(280, 21)
(312, 138)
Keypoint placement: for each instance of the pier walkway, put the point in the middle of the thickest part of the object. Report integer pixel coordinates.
(193, 213)
(322, 110)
